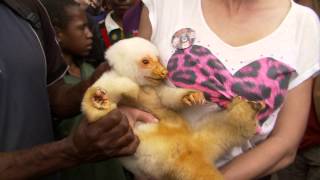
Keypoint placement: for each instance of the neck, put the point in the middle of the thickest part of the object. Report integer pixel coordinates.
(117, 18)
(68, 58)
(73, 70)
(235, 7)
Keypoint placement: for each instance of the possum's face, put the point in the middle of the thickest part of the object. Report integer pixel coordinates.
(137, 59)
(151, 71)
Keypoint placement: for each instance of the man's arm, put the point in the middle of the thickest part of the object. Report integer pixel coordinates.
(65, 99)
(111, 136)
(37, 161)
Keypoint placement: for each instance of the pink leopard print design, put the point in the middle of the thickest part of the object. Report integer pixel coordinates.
(265, 79)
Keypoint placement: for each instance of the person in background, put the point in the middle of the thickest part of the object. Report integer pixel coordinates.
(97, 9)
(96, 55)
(75, 38)
(131, 19)
(32, 89)
(261, 50)
(111, 28)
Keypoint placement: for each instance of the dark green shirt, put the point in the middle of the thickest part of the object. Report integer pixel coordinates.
(105, 170)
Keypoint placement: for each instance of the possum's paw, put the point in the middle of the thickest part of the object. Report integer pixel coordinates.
(194, 98)
(96, 103)
(242, 113)
(100, 99)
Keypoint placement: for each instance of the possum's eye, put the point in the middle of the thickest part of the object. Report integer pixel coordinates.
(145, 61)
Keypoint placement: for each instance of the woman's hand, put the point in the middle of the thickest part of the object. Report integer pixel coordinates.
(135, 115)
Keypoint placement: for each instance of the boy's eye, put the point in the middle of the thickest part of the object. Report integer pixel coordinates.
(82, 26)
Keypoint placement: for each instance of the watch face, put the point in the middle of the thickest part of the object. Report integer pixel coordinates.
(116, 35)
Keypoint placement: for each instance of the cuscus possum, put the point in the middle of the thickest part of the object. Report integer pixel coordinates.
(172, 148)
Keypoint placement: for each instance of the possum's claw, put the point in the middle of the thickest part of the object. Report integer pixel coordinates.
(193, 98)
(100, 99)
(96, 103)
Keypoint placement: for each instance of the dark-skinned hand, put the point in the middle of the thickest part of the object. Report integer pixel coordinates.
(111, 136)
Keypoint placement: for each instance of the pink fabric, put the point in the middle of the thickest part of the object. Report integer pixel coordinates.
(265, 79)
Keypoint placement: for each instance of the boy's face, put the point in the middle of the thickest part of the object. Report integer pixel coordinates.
(76, 37)
(83, 3)
(121, 6)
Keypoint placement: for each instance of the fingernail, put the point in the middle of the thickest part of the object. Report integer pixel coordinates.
(155, 120)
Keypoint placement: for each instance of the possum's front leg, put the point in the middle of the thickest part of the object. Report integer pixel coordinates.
(96, 103)
(104, 95)
(178, 98)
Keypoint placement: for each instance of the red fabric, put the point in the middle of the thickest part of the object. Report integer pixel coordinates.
(312, 134)
(105, 36)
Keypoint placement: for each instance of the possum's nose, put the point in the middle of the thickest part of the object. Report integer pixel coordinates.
(160, 71)
(163, 73)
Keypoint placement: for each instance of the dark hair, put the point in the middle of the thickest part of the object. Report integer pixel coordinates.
(57, 10)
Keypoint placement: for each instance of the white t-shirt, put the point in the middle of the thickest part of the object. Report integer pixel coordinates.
(261, 70)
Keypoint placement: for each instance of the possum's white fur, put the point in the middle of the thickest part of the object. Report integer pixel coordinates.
(120, 52)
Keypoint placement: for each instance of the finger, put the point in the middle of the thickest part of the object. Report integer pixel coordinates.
(197, 98)
(90, 130)
(129, 113)
(203, 99)
(134, 115)
(123, 141)
(192, 98)
(186, 101)
(105, 124)
(109, 139)
(111, 120)
(130, 149)
(146, 117)
(125, 150)
(200, 98)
